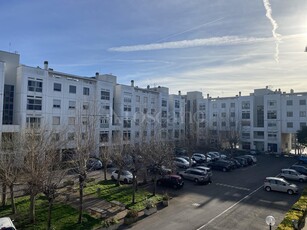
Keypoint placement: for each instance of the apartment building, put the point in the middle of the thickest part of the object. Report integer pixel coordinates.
(265, 120)
(62, 102)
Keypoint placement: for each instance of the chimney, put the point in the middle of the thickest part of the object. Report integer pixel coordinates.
(97, 74)
(179, 92)
(46, 65)
(239, 94)
(132, 83)
(291, 91)
(208, 95)
(148, 86)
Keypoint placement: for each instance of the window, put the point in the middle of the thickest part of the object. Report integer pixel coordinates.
(137, 109)
(177, 104)
(289, 114)
(232, 114)
(33, 122)
(152, 111)
(85, 106)
(34, 103)
(127, 108)
(35, 86)
(127, 99)
(232, 105)
(72, 104)
(153, 101)
(214, 123)
(137, 134)
(232, 123)
(302, 125)
(202, 106)
(289, 124)
(289, 102)
(223, 124)
(104, 122)
(272, 136)
(56, 103)
(145, 100)
(214, 105)
(137, 122)
(245, 135)
(70, 136)
(214, 114)
(72, 89)
(105, 95)
(164, 103)
(272, 124)
(126, 135)
(56, 120)
(164, 113)
(272, 103)
(164, 123)
(223, 105)
(56, 137)
(245, 105)
(302, 102)
(71, 120)
(223, 114)
(85, 120)
(57, 87)
(272, 115)
(127, 123)
(86, 91)
(104, 136)
(302, 113)
(137, 98)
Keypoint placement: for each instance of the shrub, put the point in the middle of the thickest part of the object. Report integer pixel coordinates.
(132, 213)
(149, 204)
(165, 196)
(108, 222)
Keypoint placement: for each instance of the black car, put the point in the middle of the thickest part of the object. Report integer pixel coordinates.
(94, 164)
(221, 165)
(299, 168)
(242, 161)
(173, 181)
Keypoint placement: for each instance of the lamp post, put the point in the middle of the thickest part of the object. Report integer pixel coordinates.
(270, 220)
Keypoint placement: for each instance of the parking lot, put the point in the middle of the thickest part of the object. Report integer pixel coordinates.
(234, 200)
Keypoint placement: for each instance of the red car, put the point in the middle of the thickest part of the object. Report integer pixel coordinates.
(173, 181)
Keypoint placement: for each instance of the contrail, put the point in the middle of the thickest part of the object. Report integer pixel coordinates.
(276, 36)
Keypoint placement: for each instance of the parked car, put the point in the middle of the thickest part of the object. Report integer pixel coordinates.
(199, 157)
(196, 175)
(299, 168)
(162, 170)
(279, 184)
(6, 224)
(173, 181)
(125, 176)
(302, 159)
(220, 165)
(242, 161)
(192, 161)
(291, 174)
(250, 159)
(94, 164)
(213, 156)
(181, 162)
(205, 169)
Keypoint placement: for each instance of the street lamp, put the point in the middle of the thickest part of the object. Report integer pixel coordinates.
(270, 220)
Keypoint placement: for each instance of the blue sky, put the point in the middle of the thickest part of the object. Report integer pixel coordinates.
(218, 47)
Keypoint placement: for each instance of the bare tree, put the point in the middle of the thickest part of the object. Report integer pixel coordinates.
(9, 169)
(105, 156)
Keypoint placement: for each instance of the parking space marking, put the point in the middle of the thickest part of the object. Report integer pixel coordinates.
(235, 187)
(232, 206)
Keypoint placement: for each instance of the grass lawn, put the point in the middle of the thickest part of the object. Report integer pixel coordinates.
(65, 217)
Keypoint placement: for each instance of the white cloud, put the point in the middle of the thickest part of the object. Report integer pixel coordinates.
(213, 41)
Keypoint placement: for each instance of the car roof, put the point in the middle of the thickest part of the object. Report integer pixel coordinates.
(194, 169)
(274, 178)
(6, 222)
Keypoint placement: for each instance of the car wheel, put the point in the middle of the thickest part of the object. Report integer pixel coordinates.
(224, 169)
(112, 177)
(290, 192)
(301, 180)
(267, 188)
(125, 181)
(196, 180)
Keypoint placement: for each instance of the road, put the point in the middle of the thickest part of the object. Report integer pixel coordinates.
(235, 200)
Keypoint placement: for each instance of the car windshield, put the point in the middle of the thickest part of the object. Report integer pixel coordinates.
(126, 173)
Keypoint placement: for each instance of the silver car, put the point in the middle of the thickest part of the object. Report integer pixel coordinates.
(280, 185)
(292, 174)
(196, 175)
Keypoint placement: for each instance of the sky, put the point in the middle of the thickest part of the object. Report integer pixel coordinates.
(218, 47)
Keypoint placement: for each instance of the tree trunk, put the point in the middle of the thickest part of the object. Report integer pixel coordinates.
(32, 209)
(105, 171)
(155, 185)
(134, 188)
(13, 205)
(4, 189)
(81, 186)
(50, 204)
(118, 176)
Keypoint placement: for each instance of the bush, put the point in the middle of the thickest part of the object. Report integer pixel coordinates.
(132, 213)
(149, 204)
(108, 222)
(165, 196)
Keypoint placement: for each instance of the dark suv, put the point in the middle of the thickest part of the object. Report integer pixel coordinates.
(173, 181)
(299, 168)
(220, 165)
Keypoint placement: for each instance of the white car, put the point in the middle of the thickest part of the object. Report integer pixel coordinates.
(6, 223)
(200, 158)
(125, 176)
